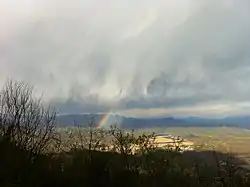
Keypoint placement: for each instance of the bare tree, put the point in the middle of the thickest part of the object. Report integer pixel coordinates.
(86, 138)
(24, 120)
(145, 143)
(123, 142)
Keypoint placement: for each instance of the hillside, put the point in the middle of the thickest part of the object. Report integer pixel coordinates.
(104, 120)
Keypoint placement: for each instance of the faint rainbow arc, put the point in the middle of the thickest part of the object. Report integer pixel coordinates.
(103, 120)
(106, 116)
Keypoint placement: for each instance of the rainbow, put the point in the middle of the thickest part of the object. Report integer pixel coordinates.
(109, 119)
(103, 120)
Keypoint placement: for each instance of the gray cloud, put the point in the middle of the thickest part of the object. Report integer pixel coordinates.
(87, 56)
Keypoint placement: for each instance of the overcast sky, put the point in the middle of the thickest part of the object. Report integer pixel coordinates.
(136, 57)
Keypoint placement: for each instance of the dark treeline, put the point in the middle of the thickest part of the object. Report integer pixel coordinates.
(34, 153)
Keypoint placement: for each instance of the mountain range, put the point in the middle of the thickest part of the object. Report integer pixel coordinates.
(105, 120)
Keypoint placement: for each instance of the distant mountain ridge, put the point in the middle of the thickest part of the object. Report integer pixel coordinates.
(137, 123)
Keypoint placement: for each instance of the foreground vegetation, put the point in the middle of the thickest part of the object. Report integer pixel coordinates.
(222, 139)
(34, 153)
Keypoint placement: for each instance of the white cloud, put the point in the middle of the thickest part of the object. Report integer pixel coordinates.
(104, 55)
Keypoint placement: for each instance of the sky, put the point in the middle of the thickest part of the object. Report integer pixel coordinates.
(134, 57)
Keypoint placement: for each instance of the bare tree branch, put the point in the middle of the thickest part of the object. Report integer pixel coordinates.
(24, 119)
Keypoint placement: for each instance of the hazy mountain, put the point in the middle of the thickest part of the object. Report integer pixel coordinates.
(105, 120)
(85, 119)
